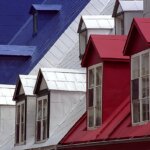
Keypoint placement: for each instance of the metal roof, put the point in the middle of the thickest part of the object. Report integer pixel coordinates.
(16, 50)
(64, 79)
(109, 47)
(140, 25)
(28, 83)
(45, 7)
(6, 94)
(131, 5)
(96, 22)
(124, 6)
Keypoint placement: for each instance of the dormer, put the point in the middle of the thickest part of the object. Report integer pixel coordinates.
(58, 92)
(146, 12)
(25, 109)
(106, 69)
(124, 12)
(41, 14)
(88, 25)
(139, 51)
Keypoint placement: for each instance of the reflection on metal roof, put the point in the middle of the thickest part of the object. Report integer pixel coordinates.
(131, 5)
(15, 50)
(96, 22)
(65, 79)
(28, 83)
(6, 94)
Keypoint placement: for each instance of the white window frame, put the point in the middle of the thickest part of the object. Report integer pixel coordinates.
(94, 100)
(140, 86)
(41, 98)
(20, 123)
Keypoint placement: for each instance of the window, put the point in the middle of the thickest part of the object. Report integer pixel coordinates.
(94, 95)
(42, 118)
(140, 87)
(20, 123)
(82, 42)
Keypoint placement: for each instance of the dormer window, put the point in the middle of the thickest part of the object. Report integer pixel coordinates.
(140, 87)
(20, 123)
(94, 96)
(42, 119)
(82, 42)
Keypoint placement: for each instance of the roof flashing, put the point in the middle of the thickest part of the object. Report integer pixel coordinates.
(15, 50)
(44, 8)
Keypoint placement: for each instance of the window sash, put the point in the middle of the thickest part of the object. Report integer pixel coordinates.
(20, 123)
(94, 96)
(140, 66)
(42, 118)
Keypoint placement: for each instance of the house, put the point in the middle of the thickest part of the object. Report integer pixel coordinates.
(57, 102)
(95, 24)
(7, 117)
(108, 90)
(124, 12)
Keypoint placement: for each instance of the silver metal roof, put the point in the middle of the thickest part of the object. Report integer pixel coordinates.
(6, 94)
(96, 22)
(131, 6)
(28, 83)
(65, 79)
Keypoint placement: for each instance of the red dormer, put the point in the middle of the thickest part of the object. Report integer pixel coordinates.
(138, 48)
(108, 77)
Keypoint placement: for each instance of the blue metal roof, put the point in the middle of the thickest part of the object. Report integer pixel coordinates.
(50, 27)
(15, 50)
(45, 7)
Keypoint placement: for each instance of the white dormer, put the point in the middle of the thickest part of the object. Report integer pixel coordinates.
(100, 24)
(124, 12)
(146, 8)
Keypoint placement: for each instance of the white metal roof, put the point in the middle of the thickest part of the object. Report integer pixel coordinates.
(131, 5)
(65, 79)
(28, 83)
(96, 22)
(6, 94)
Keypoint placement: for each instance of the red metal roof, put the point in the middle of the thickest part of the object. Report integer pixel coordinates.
(118, 126)
(142, 26)
(109, 47)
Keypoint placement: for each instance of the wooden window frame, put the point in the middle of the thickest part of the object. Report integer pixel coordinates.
(140, 90)
(20, 123)
(42, 138)
(94, 96)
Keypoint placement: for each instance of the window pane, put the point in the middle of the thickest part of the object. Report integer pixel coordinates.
(98, 96)
(91, 78)
(145, 86)
(98, 75)
(136, 111)
(39, 110)
(90, 97)
(91, 117)
(44, 129)
(17, 133)
(98, 116)
(38, 131)
(145, 64)
(22, 113)
(145, 109)
(45, 105)
(18, 114)
(135, 89)
(22, 132)
(135, 67)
